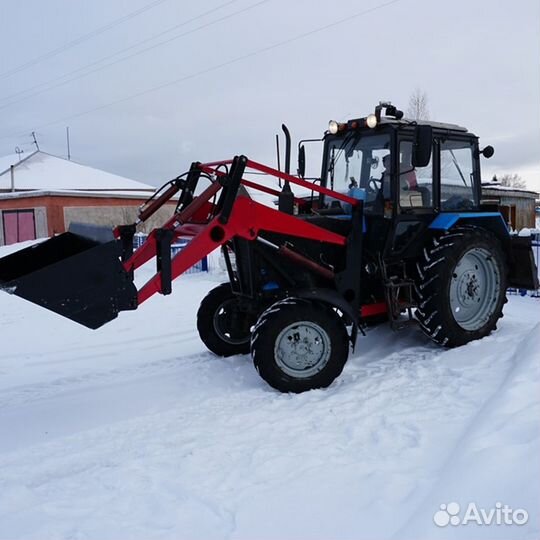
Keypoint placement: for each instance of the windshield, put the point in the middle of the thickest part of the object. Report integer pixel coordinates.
(357, 161)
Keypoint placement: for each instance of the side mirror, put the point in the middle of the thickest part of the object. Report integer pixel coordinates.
(301, 162)
(488, 151)
(423, 142)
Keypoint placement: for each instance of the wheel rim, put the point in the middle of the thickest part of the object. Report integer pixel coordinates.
(474, 289)
(302, 349)
(231, 325)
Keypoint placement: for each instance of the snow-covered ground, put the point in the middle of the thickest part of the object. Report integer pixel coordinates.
(136, 431)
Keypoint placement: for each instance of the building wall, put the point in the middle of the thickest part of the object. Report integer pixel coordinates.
(111, 216)
(524, 211)
(53, 214)
(40, 215)
(523, 203)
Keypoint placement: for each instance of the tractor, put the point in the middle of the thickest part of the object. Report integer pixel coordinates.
(393, 230)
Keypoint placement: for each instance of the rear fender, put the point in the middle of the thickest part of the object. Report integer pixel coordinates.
(523, 273)
(491, 221)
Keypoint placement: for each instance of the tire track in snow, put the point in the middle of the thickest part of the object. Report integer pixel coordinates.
(511, 360)
(111, 346)
(24, 394)
(228, 455)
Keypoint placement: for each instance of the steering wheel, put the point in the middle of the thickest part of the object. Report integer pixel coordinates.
(373, 187)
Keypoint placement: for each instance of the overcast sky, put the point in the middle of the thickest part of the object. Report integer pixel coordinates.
(148, 86)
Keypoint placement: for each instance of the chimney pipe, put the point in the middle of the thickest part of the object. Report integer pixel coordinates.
(12, 171)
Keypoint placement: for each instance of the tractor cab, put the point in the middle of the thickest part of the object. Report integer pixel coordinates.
(404, 166)
(408, 172)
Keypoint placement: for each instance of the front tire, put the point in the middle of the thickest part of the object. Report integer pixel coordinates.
(224, 327)
(299, 345)
(461, 286)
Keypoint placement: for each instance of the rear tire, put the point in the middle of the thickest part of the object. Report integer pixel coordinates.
(299, 345)
(462, 282)
(223, 326)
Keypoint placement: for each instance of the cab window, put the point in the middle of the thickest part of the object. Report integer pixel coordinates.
(415, 184)
(359, 161)
(457, 175)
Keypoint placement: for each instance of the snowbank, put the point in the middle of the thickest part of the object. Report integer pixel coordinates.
(136, 431)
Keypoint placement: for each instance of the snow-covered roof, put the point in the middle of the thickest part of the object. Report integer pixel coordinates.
(520, 192)
(108, 194)
(7, 161)
(410, 121)
(44, 171)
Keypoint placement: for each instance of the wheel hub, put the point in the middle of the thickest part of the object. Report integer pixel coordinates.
(231, 324)
(302, 349)
(469, 288)
(474, 289)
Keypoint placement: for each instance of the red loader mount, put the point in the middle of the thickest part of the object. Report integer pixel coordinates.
(305, 277)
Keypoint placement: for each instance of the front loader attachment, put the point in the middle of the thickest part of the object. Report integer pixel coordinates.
(76, 276)
(86, 274)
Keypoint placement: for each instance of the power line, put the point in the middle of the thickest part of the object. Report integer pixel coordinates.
(79, 40)
(215, 67)
(99, 68)
(109, 56)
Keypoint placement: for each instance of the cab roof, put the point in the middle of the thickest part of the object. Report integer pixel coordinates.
(409, 122)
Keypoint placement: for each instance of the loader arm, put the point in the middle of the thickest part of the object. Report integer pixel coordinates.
(247, 219)
(233, 216)
(90, 280)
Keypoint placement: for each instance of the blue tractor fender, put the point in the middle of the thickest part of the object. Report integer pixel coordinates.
(491, 221)
(523, 272)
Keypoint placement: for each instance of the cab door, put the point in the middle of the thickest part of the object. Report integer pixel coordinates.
(414, 200)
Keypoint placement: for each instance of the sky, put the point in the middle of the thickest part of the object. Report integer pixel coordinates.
(149, 86)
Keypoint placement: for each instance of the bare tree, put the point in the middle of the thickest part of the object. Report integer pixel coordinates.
(418, 105)
(512, 180)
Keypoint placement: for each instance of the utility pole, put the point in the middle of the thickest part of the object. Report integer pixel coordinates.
(35, 140)
(67, 140)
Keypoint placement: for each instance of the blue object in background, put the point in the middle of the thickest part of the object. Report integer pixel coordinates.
(201, 266)
(270, 286)
(354, 193)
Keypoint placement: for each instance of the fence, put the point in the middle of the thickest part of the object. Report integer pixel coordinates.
(181, 243)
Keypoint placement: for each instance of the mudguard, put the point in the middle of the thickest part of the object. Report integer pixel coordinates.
(523, 273)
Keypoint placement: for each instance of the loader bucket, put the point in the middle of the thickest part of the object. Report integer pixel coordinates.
(76, 276)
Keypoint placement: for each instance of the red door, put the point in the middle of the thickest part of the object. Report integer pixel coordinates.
(19, 225)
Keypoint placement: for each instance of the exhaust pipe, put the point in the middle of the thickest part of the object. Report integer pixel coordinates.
(286, 197)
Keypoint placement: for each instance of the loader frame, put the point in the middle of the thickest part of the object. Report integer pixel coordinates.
(223, 213)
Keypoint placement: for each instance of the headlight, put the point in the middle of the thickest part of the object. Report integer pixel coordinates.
(333, 127)
(371, 121)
